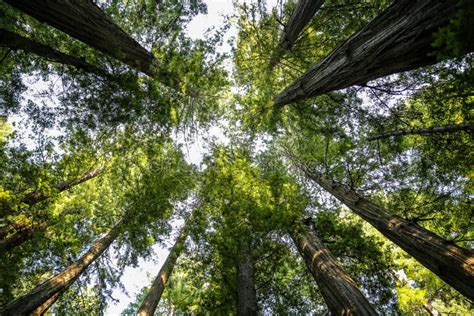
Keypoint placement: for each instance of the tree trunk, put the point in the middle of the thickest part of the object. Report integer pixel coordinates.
(47, 290)
(302, 15)
(19, 237)
(422, 131)
(36, 197)
(153, 297)
(85, 21)
(18, 42)
(246, 292)
(399, 39)
(20, 232)
(453, 264)
(46, 305)
(338, 289)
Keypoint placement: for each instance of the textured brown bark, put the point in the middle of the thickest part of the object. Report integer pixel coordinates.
(46, 305)
(36, 197)
(301, 16)
(339, 290)
(453, 264)
(153, 297)
(246, 292)
(424, 131)
(19, 237)
(20, 232)
(304, 12)
(18, 42)
(85, 21)
(40, 295)
(399, 39)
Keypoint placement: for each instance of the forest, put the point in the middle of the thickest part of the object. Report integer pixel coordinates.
(303, 157)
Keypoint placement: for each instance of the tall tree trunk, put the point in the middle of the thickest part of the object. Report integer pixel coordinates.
(399, 39)
(153, 297)
(46, 305)
(47, 290)
(453, 264)
(338, 289)
(19, 237)
(302, 15)
(427, 130)
(246, 292)
(18, 42)
(22, 231)
(304, 12)
(36, 196)
(85, 21)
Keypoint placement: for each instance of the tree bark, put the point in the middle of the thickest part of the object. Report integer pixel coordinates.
(339, 290)
(40, 295)
(20, 232)
(46, 305)
(85, 21)
(246, 292)
(423, 131)
(453, 264)
(399, 39)
(19, 237)
(36, 196)
(18, 42)
(301, 16)
(153, 297)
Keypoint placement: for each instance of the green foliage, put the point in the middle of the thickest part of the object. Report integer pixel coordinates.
(455, 38)
(133, 307)
(249, 193)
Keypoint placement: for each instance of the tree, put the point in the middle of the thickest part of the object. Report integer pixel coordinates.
(302, 14)
(85, 21)
(338, 289)
(155, 163)
(246, 205)
(18, 42)
(36, 197)
(246, 291)
(121, 84)
(19, 236)
(14, 234)
(45, 294)
(152, 298)
(397, 40)
(453, 264)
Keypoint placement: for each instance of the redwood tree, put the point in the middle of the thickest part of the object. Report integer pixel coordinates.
(453, 264)
(153, 297)
(17, 42)
(85, 21)
(46, 293)
(301, 16)
(338, 289)
(246, 292)
(399, 39)
(38, 196)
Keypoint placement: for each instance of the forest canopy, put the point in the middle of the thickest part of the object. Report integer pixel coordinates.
(303, 157)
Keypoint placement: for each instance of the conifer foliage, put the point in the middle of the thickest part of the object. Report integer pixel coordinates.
(318, 162)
